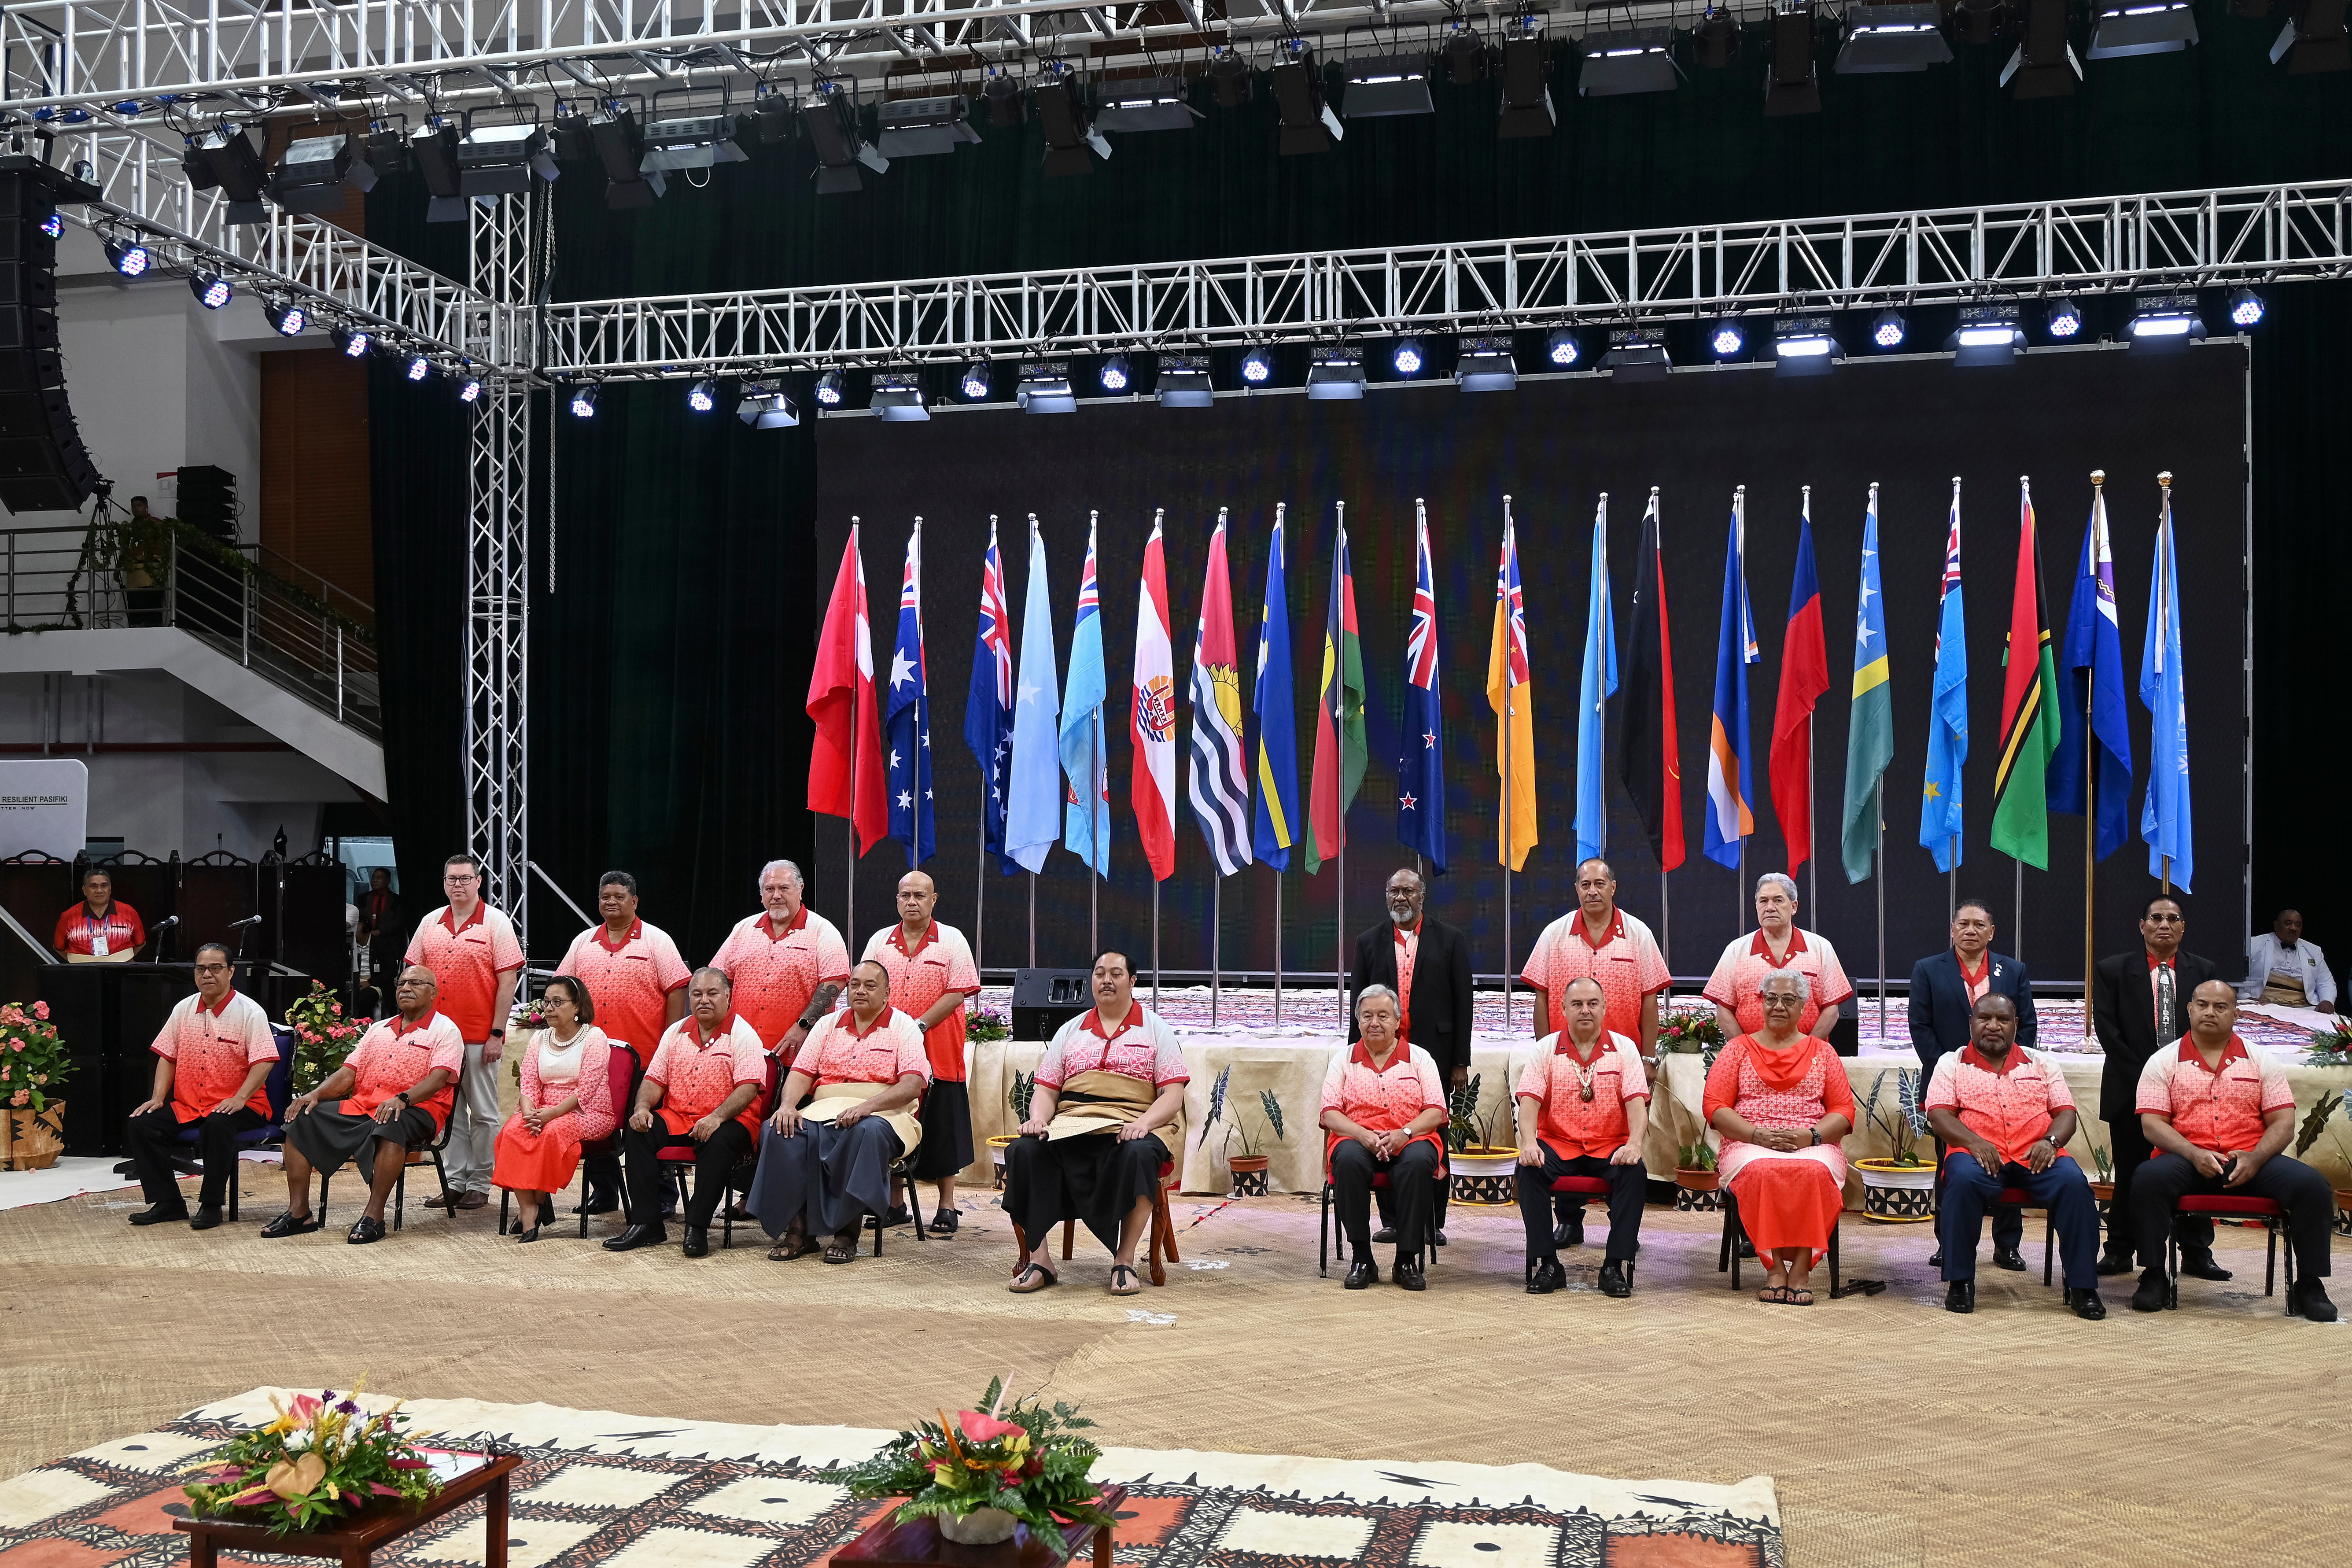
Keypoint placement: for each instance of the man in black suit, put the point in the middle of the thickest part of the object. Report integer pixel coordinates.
(1427, 963)
(2139, 1004)
(1945, 989)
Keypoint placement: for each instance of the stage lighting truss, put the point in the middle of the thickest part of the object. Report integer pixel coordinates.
(499, 158)
(2164, 323)
(1561, 350)
(1072, 143)
(1307, 123)
(1986, 334)
(1044, 388)
(1183, 382)
(615, 133)
(1716, 38)
(1257, 366)
(1381, 85)
(1727, 338)
(926, 127)
(1407, 358)
(1526, 62)
(1231, 75)
(2044, 64)
(224, 159)
(1485, 364)
(2313, 39)
(1149, 103)
(698, 141)
(287, 317)
(1008, 104)
(897, 398)
(128, 256)
(583, 401)
(1630, 59)
(1880, 38)
(2064, 319)
(830, 388)
(976, 380)
(702, 396)
(353, 343)
(1887, 329)
(1791, 84)
(2246, 309)
(1336, 373)
(840, 146)
(318, 174)
(2141, 27)
(1115, 375)
(1637, 353)
(212, 291)
(766, 406)
(1803, 346)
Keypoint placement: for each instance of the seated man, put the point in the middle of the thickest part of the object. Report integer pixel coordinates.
(2218, 1118)
(1383, 1106)
(826, 1166)
(400, 1081)
(699, 1093)
(2007, 1114)
(1583, 1108)
(213, 1057)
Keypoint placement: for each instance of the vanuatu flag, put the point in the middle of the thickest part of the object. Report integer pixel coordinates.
(1340, 747)
(2028, 707)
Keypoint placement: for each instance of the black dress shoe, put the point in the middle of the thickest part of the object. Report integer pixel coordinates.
(1545, 1278)
(1440, 1237)
(1746, 1248)
(2202, 1267)
(1614, 1281)
(637, 1235)
(207, 1216)
(161, 1214)
(528, 1236)
(2116, 1263)
(364, 1230)
(286, 1225)
(1568, 1232)
(1961, 1296)
(2086, 1304)
(2309, 1297)
(2008, 1258)
(1364, 1273)
(1936, 1259)
(1383, 1236)
(597, 1205)
(1407, 1274)
(698, 1241)
(2149, 1297)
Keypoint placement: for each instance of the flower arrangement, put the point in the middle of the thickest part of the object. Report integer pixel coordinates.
(985, 1023)
(321, 1457)
(1017, 1456)
(33, 1061)
(1464, 1127)
(1690, 1031)
(322, 1035)
(1903, 1120)
(529, 1013)
(2333, 1049)
(1268, 1106)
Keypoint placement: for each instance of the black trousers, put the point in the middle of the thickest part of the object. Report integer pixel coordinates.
(2133, 1150)
(1628, 1188)
(2303, 1192)
(1411, 1194)
(713, 1162)
(153, 1139)
(602, 1179)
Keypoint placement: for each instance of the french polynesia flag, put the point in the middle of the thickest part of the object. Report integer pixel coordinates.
(1804, 675)
(1152, 727)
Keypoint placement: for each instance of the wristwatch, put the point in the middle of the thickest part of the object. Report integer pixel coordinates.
(402, 1098)
(1817, 1135)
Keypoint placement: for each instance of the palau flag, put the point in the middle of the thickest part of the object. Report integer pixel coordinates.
(2164, 815)
(1339, 744)
(1650, 761)
(2094, 654)
(1085, 762)
(1511, 694)
(1804, 675)
(1870, 724)
(907, 717)
(1220, 775)
(1032, 812)
(987, 705)
(1941, 813)
(2029, 726)
(1278, 727)
(1420, 741)
(1597, 686)
(1729, 817)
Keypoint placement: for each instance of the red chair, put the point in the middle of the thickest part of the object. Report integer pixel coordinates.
(681, 1154)
(1587, 1190)
(620, 1080)
(2227, 1206)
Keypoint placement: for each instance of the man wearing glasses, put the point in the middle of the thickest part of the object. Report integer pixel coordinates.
(475, 958)
(212, 1058)
(2139, 1006)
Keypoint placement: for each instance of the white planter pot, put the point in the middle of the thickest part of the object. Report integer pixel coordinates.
(980, 1527)
(1899, 1195)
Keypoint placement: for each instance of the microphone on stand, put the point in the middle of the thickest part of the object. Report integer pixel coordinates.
(155, 933)
(239, 925)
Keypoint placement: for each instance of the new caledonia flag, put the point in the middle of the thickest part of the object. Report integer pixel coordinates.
(1420, 744)
(1730, 818)
(2028, 707)
(1339, 746)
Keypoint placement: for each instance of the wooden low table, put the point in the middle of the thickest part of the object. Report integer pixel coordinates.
(352, 1542)
(917, 1544)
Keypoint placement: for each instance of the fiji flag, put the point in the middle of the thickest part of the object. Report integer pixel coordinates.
(2164, 820)
(1421, 746)
(1730, 815)
(906, 717)
(1940, 806)
(1278, 727)
(988, 705)
(1085, 762)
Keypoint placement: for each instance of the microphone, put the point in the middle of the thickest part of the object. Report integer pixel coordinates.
(248, 921)
(166, 923)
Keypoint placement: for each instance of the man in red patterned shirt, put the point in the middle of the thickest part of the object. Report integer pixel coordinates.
(213, 1055)
(475, 958)
(1583, 1108)
(2220, 1119)
(700, 1092)
(633, 970)
(102, 928)
(931, 975)
(787, 964)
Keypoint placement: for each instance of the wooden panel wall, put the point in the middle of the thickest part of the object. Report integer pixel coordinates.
(314, 465)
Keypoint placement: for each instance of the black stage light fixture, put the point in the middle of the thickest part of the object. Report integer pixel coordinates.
(1716, 38)
(1307, 123)
(1184, 381)
(1986, 334)
(196, 166)
(1007, 104)
(1889, 329)
(436, 150)
(1044, 387)
(1337, 375)
(832, 130)
(212, 291)
(1465, 54)
(570, 135)
(1561, 350)
(1728, 337)
(1791, 86)
(976, 380)
(2164, 323)
(236, 168)
(1893, 38)
(1526, 101)
(387, 146)
(1072, 143)
(1257, 366)
(583, 401)
(286, 317)
(1388, 84)
(765, 406)
(2313, 39)
(694, 142)
(419, 368)
(1484, 364)
(2246, 309)
(353, 343)
(2126, 27)
(499, 159)
(1147, 103)
(469, 387)
(1803, 346)
(2064, 319)
(775, 115)
(621, 148)
(318, 173)
(1408, 356)
(1116, 374)
(1231, 75)
(926, 127)
(1637, 353)
(2044, 64)
(1982, 21)
(831, 388)
(897, 399)
(128, 257)
(702, 396)
(1632, 59)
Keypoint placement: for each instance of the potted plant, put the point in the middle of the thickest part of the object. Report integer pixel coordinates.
(323, 1457)
(2103, 1185)
(1248, 1167)
(988, 1473)
(1479, 1170)
(984, 1024)
(2315, 1122)
(322, 1036)
(1017, 1099)
(1898, 1188)
(33, 1066)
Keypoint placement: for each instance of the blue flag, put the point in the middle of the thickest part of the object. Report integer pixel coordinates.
(906, 717)
(1730, 811)
(2164, 815)
(1599, 685)
(1420, 744)
(1032, 810)
(1085, 815)
(1278, 730)
(1940, 806)
(2093, 652)
(988, 705)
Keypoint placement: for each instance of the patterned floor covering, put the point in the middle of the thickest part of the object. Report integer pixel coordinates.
(631, 1491)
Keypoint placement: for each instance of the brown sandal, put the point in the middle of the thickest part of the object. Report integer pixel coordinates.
(840, 1249)
(1033, 1277)
(790, 1247)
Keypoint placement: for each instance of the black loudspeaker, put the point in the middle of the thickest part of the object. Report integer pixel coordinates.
(43, 465)
(1046, 999)
(209, 499)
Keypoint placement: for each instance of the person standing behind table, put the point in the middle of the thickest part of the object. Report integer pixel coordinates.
(931, 974)
(2284, 971)
(476, 960)
(1427, 964)
(1944, 990)
(1777, 944)
(100, 929)
(632, 969)
(213, 1057)
(2139, 1006)
(787, 964)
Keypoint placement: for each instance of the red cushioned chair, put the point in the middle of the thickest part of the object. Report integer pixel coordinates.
(2227, 1206)
(1327, 1232)
(1160, 1243)
(681, 1155)
(2010, 1198)
(621, 1077)
(1729, 1256)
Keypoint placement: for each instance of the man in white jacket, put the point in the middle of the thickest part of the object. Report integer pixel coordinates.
(2285, 971)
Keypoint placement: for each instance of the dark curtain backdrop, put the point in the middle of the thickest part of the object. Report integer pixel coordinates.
(2216, 113)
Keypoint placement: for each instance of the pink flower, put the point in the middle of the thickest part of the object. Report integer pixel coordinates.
(22, 1096)
(251, 1496)
(410, 1464)
(41, 1010)
(336, 1008)
(382, 1490)
(305, 1407)
(979, 1429)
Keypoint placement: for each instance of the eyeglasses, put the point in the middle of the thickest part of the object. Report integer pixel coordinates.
(2166, 919)
(1781, 1003)
(212, 968)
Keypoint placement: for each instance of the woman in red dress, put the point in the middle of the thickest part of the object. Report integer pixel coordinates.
(1780, 1099)
(566, 1101)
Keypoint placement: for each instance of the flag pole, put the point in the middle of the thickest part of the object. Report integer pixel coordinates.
(1278, 947)
(1155, 944)
(1878, 875)
(1510, 819)
(1096, 856)
(1737, 903)
(1033, 919)
(2090, 794)
(2163, 577)
(1216, 948)
(1340, 932)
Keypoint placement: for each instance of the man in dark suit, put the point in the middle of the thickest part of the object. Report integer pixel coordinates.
(2139, 1004)
(1427, 963)
(1945, 989)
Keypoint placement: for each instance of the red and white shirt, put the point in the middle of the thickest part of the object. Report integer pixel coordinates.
(1625, 962)
(211, 1049)
(1141, 1047)
(1975, 984)
(117, 931)
(2219, 1107)
(1383, 1100)
(395, 1054)
(775, 971)
(2009, 1105)
(467, 958)
(1408, 953)
(837, 1051)
(697, 1075)
(939, 962)
(632, 981)
(1748, 959)
(1570, 1125)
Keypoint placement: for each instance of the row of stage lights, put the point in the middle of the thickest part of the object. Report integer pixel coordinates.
(1795, 345)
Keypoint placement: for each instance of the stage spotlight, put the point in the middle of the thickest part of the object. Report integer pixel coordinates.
(287, 317)
(1562, 348)
(2164, 323)
(1407, 356)
(2141, 27)
(1716, 38)
(1465, 54)
(53, 225)
(1982, 21)
(318, 174)
(1257, 366)
(1637, 353)
(1071, 141)
(1727, 338)
(2066, 318)
(1307, 123)
(1115, 374)
(1183, 382)
(1044, 388)
(898, 399)
(128, 257)
(832, 129)
(1632, 59)
(570, 135)
(1803, 346)
(694, 142)
(2044, 64)
(212, 291)
(1388, 84)
(2313, 39)
(1887, 329)
(829, 388)
(926, 127)
(703, 396)
(621, 148)
(420, 368)
(766, 408)
(775, 115)
(1893, 38)
(232, 164)
(469, 388)
(2246, 309)
(1336, 376)
(1231, 75)
(975, 381)
(1152, 103)
(435, 147)
(1526, 101)
(1484, 364)
(1986, 334)
(1791, 86)
(353, 342)
(1007, 104)
(500, 159)
(387, 146)
(583, 401)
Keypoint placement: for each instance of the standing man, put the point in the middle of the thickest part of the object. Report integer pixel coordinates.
(2285, 971)
(1583, 1109)
(931, 973)
(701, 1092)
(475, 959)
(638, 981)
(213, 1057)
(98, 929)
(1778, 943)
(380, 927)
(787, 964)
(2139, 1006)
(1427, 964)
(1944, 990)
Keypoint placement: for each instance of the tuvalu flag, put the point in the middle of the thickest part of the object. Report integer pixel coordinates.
(844, 776)
(1278, 727)
(1152, 724)
(1033, 803)
(1804, 675)
(1339, 746)
(1730, 816)
(1870, 723)
(1220, 780)
(1085, 759)
(2165, 822)
(1650, 758)
(1510, 693)
(2029, 707)
(1421, 739)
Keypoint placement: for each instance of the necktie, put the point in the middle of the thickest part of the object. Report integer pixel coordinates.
(2166, 1031)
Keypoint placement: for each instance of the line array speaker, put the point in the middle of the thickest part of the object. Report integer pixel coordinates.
(43, 465)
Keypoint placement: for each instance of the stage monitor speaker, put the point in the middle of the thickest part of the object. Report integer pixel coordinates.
(1845, 1038)
(1046, 999)
(43, 464)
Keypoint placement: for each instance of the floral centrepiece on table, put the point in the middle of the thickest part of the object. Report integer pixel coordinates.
(1690, 1031)
(323, 1456)
(1020, 1456)
(984, 1024)
(33, 1061)
(322, 1035)
(529, 1013)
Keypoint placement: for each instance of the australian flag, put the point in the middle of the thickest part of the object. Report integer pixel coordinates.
(1421, 745)
(988, 708)
(906, 717)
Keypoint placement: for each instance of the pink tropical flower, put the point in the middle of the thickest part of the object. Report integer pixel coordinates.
(41, 1010)
(980, 1428)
